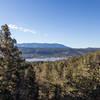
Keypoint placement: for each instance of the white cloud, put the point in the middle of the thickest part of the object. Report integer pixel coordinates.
(21, 29)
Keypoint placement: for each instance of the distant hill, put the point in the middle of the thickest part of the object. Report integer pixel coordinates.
(42, 45)
(54, 52)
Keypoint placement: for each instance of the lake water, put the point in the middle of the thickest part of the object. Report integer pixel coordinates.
(45, 59)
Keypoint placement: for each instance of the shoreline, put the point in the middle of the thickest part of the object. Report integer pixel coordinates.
(46, 59)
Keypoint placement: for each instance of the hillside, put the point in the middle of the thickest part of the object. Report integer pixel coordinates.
(77, 78)
(54, 52)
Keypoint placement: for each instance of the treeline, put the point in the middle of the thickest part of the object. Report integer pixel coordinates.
(77, 78)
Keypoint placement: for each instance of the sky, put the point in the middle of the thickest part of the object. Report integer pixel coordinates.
(74, 23)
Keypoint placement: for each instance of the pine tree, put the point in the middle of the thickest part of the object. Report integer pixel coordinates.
(17, 77)
(30, 84)
(11, 66)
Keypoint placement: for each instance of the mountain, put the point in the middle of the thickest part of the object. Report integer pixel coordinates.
(42, 45)
(40, 50)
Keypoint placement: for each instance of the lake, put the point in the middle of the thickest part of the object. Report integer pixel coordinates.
(46, 59)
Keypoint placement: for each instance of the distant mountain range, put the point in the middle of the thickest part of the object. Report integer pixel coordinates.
(42, 45)
(40, 50)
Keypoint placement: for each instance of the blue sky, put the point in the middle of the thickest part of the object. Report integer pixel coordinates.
(75, 23)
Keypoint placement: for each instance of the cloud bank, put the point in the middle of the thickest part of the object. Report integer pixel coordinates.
(21, 29)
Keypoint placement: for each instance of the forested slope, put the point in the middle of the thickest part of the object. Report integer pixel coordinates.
(75, 78)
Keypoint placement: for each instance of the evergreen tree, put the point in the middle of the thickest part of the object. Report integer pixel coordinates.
(12, 67)
(30, 87)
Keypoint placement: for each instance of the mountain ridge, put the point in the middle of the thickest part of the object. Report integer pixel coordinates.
(42, 45)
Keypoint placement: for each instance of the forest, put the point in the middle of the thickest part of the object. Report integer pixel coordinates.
(77, 78)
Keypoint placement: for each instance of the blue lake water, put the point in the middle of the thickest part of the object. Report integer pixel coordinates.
(45, 59)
